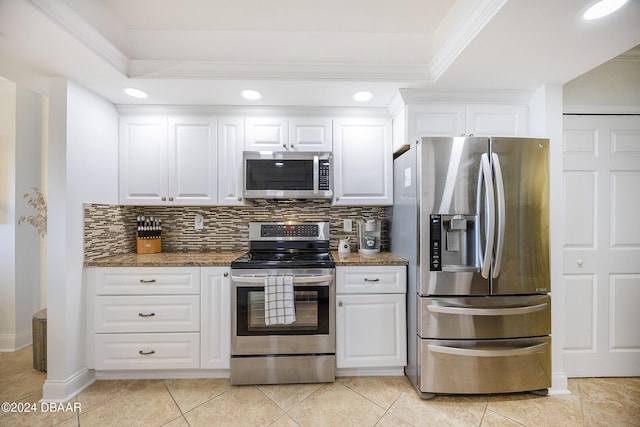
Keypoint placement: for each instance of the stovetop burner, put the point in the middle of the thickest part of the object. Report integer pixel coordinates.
(287, 245)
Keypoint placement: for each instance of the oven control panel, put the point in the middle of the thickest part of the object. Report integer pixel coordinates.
(288, 230)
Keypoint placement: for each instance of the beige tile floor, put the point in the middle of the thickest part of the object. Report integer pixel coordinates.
(354, 401)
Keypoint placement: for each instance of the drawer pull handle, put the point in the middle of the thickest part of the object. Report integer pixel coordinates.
(147, 281)
(146, 315)
(371, 280)
(146, 353)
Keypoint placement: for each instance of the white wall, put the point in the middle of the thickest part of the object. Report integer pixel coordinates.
(613, 87)
(20, 144)
(83, 168)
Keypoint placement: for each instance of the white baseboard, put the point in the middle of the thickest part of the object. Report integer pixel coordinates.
(559, 384)
(162, 374)
(14, 342)
(393, 371)
(65, 390)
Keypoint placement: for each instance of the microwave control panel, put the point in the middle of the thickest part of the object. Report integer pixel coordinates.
(323, 179)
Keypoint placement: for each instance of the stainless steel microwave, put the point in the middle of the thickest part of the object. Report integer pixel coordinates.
(287, 175)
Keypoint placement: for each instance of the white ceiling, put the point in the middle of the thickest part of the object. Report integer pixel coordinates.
(304, 52)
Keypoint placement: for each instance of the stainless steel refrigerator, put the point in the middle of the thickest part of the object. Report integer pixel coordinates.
(472, 217)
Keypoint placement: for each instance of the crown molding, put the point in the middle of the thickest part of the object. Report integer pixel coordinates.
(417, 96)
(481, 13)
(60, 13)
(159, 69)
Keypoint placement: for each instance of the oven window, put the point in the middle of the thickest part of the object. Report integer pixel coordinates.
(312, 312)
(266, 174)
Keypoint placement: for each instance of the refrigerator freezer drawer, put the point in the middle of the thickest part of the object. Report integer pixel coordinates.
(495, 366)
(491, 317)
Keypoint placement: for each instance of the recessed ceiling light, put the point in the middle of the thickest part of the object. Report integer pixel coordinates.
(602, 8)
(362, 96)
(251, 94)
(136, 93)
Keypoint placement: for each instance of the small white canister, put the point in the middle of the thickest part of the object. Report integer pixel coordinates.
(343, 246)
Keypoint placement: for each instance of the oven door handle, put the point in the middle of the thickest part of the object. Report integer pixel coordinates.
(296, 279)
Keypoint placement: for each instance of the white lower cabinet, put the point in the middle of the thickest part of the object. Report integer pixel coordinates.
(371, 329)
(215, 351)
(143, 318)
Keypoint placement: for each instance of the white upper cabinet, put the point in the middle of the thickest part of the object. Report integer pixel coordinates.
(266, 134)
(282, 134)
(467, 119)
(497, 120)
(230, 146)
(168, 161)
(362, 162)
(143, 161)
(310, 134)
(193, 161)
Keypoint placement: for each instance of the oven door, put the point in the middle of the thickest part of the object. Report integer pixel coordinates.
(313, 330)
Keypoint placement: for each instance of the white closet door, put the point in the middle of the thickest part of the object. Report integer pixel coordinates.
(601, 245)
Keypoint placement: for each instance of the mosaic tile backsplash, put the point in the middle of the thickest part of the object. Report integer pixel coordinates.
(110, 229)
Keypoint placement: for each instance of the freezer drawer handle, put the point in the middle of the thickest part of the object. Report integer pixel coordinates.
(487, 311)
(487, 353)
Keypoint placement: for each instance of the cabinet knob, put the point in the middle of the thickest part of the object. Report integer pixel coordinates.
(239, 199)
(164, 199)
(579, 262)
(339, 303)
(226, 274)
(171, 199)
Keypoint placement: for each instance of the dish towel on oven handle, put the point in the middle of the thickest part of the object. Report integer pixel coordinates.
(279, 300)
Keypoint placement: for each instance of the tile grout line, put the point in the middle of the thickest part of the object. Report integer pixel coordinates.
(176, 403)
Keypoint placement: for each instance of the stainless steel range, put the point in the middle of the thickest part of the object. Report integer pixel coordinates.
(283, 305)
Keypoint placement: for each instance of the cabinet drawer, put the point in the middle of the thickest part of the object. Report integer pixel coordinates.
(156, 313)
(371, 279)
(145, 280)
(147, 351)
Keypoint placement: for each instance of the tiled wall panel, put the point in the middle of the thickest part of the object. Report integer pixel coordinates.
(110, 229)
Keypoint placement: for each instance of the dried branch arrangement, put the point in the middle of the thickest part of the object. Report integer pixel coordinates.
(39, 219)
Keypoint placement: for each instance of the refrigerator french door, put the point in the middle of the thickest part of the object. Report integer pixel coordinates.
(477, 245)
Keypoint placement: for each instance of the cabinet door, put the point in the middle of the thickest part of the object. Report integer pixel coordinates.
(266, 134)
(230, 170)
(193, 161)
(310, 134)
(371, 331)
(436, 120)
(216, 318)
(497, 120)
(363, 162)
(143, 160)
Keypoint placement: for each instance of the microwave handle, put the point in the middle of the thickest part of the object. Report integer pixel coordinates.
(316, 174)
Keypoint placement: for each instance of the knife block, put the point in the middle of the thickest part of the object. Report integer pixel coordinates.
(148, 246)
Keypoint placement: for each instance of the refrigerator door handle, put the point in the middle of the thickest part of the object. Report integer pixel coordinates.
(455, 351)
(510, 311)
(501, 214)
(485, 180)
